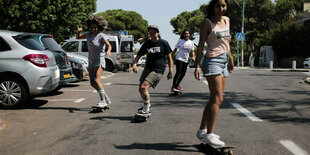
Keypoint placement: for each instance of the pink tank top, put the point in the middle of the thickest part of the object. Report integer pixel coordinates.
(218, 39)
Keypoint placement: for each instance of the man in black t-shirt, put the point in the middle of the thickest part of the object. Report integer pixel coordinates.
(156, 50)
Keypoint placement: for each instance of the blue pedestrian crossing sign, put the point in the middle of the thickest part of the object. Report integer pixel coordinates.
(240, 36)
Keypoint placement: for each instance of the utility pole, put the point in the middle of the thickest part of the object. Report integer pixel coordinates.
(242, 31)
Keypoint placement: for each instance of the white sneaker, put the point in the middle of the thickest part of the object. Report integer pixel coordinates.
(202, 133)
(101, 104)
(211, 139)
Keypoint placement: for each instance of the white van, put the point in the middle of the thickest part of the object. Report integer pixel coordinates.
(266, 55)
(79, 46)
(126, 44)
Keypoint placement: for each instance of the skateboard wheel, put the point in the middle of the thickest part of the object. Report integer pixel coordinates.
(230, 152)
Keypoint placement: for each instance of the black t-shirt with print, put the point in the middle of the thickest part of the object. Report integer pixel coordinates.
(156, 54)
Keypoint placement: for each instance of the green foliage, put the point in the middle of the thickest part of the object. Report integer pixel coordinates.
(126, 20)
(265, 23)
(291, 40)
(60, 18)
(190, 20)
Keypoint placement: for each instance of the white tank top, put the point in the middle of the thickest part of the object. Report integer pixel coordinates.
(218, 39)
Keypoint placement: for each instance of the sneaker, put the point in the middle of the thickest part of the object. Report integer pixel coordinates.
(101, 104)
(179, 88)
(144, 113)
(175, 90)
(212, 140)
(202, 133)
(142, 108)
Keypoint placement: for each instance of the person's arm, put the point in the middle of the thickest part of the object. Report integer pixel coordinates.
(134, 64)
(230, 65)
(170, 63)
(109, 47)
(174, 51)
(193, 55)
(78, 34)
(204, 32)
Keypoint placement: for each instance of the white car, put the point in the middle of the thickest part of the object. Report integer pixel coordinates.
(26, 69)
(307, 63)
(81, 58)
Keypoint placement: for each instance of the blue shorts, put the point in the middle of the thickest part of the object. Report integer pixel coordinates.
(215, 66)
(99, 62)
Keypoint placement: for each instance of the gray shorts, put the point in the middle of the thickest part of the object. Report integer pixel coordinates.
(99, 62)
(215, 66)
(150, 76)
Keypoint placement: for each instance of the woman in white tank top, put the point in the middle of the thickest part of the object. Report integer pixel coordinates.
(216, 65)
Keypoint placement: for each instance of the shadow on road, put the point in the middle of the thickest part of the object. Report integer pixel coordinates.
(177, 146)
(121, 118)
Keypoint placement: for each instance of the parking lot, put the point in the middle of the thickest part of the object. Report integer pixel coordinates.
(254, 118)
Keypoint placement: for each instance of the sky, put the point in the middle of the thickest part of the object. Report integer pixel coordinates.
(158, 12)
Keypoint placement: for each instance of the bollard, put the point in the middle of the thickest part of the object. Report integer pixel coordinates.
(294, 65)
(270, 64)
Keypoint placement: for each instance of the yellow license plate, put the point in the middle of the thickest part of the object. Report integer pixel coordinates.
(66, 75)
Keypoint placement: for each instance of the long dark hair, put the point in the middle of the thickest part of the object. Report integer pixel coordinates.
(210, 9)
(182, 35)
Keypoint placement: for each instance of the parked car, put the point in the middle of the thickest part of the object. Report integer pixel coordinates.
(307, 63)
(79, 47)
(26, 69)
(78, 73)
(82, 59)
(61, 57)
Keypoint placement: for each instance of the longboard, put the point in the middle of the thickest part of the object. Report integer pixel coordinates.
(138, 118)
(217, 150)
(175, 93)
(98, 109)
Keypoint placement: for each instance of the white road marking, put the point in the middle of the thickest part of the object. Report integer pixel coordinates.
(106, 84)
(77, 90)
(246, 112)
(67, 100)
(291, 146)
(79, 100)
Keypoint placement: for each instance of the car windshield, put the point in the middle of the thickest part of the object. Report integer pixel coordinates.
(51, 44)
(28, 42)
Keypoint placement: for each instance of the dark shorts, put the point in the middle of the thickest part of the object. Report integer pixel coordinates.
(150, 76)
(100, 62)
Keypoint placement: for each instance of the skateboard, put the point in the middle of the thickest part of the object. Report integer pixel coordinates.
(176, 93)
(97, 109)
(138, 118)
(217, 150)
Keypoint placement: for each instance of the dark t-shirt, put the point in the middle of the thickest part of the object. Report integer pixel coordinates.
(156, 55)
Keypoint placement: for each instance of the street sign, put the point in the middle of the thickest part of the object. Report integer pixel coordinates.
(240, 36)
(123, 33)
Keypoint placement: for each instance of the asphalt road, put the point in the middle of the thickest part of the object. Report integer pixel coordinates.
(264, 112)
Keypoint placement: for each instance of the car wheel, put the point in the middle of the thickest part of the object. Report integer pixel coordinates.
(13, 92)
(109, 66)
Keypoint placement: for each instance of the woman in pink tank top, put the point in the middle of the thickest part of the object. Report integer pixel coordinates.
(215, 66)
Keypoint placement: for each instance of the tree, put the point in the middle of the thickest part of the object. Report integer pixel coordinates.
(126, 20)
(60, 18)
(187, 20)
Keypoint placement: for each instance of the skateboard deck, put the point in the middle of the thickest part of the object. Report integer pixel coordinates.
(138, 118)
(176, 93)
(217, 150)
(97, 109)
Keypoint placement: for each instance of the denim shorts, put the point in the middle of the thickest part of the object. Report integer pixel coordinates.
(99, 62)
(215, 66)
